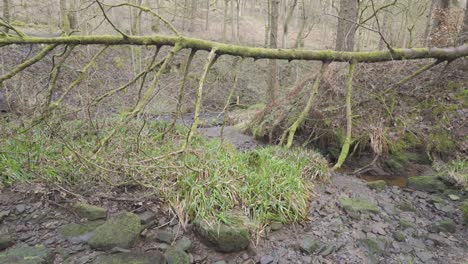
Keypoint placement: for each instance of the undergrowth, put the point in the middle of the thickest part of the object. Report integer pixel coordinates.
(210, 180)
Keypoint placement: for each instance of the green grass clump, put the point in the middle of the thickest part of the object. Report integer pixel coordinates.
(455, 171)
(267, 184)
(210, 180)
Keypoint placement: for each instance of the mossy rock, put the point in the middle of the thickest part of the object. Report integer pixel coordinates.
(225, 238)
(374, 248)
(354, 206)
(399, 236)
(464, 209)
(90, 212)
(131, 258)
(310, 245)
(121, 231)
(175, 255)
(406, 224)
(447, 226)
(73, 230)
(27, 255)
(379, 185)
(426, 184)
(406, 206)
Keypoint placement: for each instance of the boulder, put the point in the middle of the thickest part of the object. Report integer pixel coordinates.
(185, 244)
(90, 212)
(131, 258)
(225, 238)
(121, 231)
(27, 255)
(426, 184)
(379, 185)
(175, 255)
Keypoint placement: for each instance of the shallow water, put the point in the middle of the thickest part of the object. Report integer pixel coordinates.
(400, 181)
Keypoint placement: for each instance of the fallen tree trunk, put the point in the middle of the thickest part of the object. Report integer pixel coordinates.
(442, 54)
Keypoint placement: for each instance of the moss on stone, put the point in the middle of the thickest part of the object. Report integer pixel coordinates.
(406, 206)
(406, 224)
(426, 183)
(225, 238)
(447, 226)
(379, 185)
(358, 205)
(121, 231)
(90, 212)
(27, 255)
(399, 236)
(175, 255)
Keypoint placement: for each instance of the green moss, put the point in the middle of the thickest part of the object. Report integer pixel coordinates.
(406, 206)
(132, 258)
(406, 224)
(447, 226)
(379, 185)
(27, 255)
(176, 255)
(399, 236)
(464, 210)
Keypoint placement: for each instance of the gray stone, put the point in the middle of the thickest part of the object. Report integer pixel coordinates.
(131, 258)
(90, 212)
(225, 238)
(266, 259)
(424, 256)
(3, 104)
(121, 231)
(175, 255)
(379, 185)
(358, 205)
(27, 255)
(275, 226)
(220, 262)
(147, 217)
(20, 208)
(164, 236)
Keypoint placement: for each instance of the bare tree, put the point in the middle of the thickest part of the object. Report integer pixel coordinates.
(464, 30)
(346, 29)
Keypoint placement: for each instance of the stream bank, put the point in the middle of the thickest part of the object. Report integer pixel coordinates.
(348, 222)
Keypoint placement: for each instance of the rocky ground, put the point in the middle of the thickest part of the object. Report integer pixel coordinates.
(350, 222)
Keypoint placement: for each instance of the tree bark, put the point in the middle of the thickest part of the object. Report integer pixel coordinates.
(464, 30)
(207, 17)
(64, 16)
(287, 20)
(273, 85)
(346, 29)
(245, 51)
(6, 13)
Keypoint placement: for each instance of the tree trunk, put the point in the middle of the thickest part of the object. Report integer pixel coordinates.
(303, 20)
(64, 16)
(464, 30)
(428, 29)
(226, 3)
(233, 30)
(267, 23)
(207, 17)
(287, 20)
(72, 16)
(273, 85)
(346, 29)
(6, 13)
(439, 19)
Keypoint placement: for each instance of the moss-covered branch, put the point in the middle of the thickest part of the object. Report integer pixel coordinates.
(253, 52)
(27, 63)
(289, 133)
(198, 100)
(349, 117)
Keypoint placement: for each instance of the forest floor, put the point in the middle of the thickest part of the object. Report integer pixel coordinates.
(348, 222)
